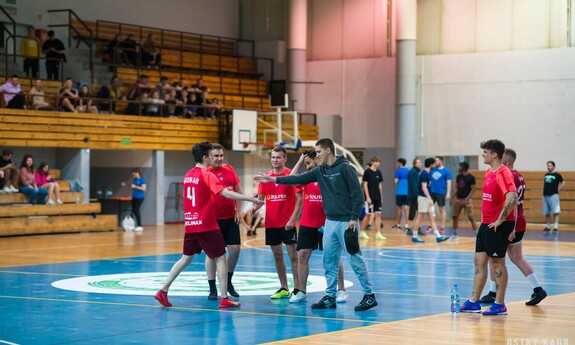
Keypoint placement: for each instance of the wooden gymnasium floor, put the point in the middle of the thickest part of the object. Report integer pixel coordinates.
(53, 292)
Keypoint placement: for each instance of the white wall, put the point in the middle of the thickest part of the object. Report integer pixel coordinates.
(362, 91)
(524, 98)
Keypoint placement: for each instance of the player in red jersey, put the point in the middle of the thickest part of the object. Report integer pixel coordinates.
(497, 223)
(311, 231)
(283, 204)
(228, 216)
(515, 249)
(201, 227)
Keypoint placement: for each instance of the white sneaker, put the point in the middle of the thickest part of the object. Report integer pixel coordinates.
(59, 202)
(14, 190)
(50, 202)
(138, 228)
(341, 296)
(300, 297)
(7, 189)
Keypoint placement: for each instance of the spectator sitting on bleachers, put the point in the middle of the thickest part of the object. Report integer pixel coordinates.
(214, 108)
(135, 93)
(86, 97)
(112, 91)
(163, 86)
(37, 97)
(186, 106)
(46, 181)
(12, 90)
(129, 54)
(150, 52)
(10, 172)
(69, 97)
(28, 181)
(153, 104)
(201, 92)
(113, 50)
(170, 102)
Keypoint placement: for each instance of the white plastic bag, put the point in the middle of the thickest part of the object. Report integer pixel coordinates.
(128, 223)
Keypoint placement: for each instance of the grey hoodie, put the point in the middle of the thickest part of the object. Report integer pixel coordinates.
(339, 185)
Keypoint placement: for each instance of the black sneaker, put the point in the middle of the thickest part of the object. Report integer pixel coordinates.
(325, 303)
(213, 296)
(537, 297)
(232, 291)
(546, 230)
(366, 303)
(409, 232)
(368, 227)
(489, 298)
(421, 232)
(555, 230)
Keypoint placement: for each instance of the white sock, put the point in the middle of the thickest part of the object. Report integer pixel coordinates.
(414, 235)
(492, 286)
(533, 280)
(549, 225)
(406, 225)
(437, 234)
(556, 225)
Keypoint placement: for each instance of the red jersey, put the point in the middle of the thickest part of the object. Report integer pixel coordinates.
(200, 188)
(521, 223)
(495, 186)
(312, 215)
(280, 200)
(225, 208)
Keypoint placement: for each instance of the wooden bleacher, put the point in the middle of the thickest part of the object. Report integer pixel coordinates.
(102, 131)
(533, 195)
(50, 88)
(178, 49)
(19, 218)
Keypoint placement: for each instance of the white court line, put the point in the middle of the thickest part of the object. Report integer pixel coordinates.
(7, 342)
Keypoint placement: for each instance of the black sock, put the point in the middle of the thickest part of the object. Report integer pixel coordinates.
(295, 291)
(537, 289)
(230, 275)
(212, 283)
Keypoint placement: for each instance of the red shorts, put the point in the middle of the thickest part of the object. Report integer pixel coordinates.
(211, 242)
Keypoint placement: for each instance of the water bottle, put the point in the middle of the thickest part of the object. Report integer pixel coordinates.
(455, 308)
(109, 192)
(99, 192)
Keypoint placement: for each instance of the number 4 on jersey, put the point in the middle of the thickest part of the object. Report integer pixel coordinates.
(191, 194)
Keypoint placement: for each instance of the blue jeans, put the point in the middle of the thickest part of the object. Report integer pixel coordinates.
(333, 243)
(32, 193)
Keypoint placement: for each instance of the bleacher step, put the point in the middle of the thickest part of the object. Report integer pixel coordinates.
(20, 198)
(48, 210)
(57, 224)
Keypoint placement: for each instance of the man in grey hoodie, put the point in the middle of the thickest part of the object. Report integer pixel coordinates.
(342, 203)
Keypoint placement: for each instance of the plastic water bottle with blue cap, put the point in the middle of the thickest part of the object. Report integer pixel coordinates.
(455, 299)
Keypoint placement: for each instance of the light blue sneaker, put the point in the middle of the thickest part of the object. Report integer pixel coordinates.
(496, 309)
(469, 307)
(417, 239)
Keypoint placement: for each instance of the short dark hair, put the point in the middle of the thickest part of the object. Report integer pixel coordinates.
(310, 153)
(137, 170)
(51, 33)
(494, 145)
(375, 159)
(552, 163)
(7, 152)
(217, 146)
(440, 158)
(429, 162)
(464, 165)
(281, 149)
(402, 161)
(511, 153)
(201, 150)
(326, 143)
(14, 76)
(29, 27)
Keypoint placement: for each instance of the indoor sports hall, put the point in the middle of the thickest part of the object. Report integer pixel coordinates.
(99, 99)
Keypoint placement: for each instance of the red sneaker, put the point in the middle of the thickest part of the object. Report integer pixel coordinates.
(162, 297)
(229, 303)
(442, 231)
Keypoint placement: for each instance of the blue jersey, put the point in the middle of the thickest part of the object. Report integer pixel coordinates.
(136, 193)
(439, 178)
(401, 176)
